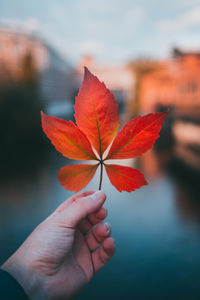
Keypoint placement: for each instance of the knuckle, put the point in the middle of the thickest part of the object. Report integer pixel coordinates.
(103, 258)
(104, 209)
(79, 202)
(96, 237)
(89, 199)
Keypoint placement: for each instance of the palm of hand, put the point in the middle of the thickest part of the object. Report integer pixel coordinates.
(72, 264)
(82, 256)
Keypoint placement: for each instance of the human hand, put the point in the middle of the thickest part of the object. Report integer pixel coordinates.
(64, 252)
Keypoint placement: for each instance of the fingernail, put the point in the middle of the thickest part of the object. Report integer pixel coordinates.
(97, 196)
(107, 227)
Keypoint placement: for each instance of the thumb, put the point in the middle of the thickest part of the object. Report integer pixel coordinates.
(80, 208)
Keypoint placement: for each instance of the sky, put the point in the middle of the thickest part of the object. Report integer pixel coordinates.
(113, 31)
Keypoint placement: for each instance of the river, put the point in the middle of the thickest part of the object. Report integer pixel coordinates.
(156, 231)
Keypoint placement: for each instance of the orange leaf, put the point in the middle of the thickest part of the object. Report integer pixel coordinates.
(137, 136)
(96, 112)
(67, 138)
(76, 177)
(125, 178)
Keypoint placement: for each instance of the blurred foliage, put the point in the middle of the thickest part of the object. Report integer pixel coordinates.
(23, 144)
(28, 74)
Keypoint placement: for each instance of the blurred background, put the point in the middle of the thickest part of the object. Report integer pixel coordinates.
(148, 54)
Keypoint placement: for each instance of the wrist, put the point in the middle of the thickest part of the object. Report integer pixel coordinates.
(29, 280)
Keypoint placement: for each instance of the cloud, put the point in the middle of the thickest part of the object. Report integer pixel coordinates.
(133, 19)
(93, 47)
(27, 25)
(185, 21)
(185, 4)
(109, 30)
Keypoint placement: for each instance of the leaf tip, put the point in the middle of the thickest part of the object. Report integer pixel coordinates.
(43, 116)
(87, 73)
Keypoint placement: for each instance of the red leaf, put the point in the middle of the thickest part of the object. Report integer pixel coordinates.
(125, 178)
(76, 177)
(137, 136)
(67, 138)
(96, 112)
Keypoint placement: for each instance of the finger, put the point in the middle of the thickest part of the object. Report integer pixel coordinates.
(93, 219)
(69, 201)
(80, 208)
(102, 255)
(98, 216)
(96, 236)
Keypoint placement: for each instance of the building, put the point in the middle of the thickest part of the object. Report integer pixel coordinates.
(56, 77)
(176, 84)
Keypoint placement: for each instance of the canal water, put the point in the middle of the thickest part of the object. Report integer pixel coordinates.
(156, 231)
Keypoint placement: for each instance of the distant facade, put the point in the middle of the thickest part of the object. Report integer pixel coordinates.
(176, 84)
(56, 77)
(118, 78)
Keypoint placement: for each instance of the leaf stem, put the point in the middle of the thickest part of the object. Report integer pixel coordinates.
(101, 174)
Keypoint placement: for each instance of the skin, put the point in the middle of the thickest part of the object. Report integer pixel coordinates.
(66, 250)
